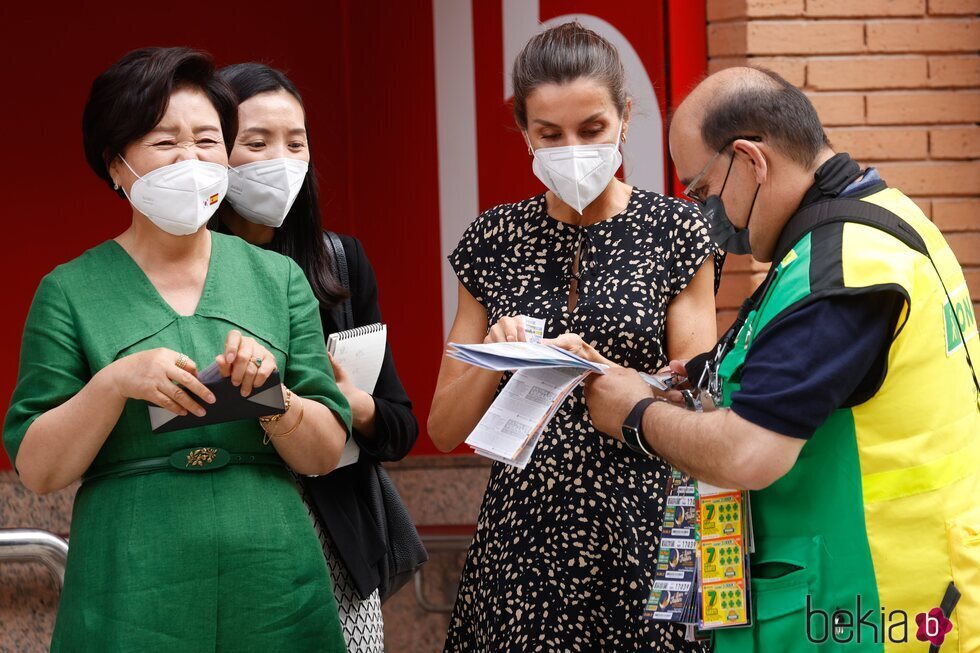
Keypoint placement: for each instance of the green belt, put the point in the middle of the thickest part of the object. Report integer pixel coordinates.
(198, 459)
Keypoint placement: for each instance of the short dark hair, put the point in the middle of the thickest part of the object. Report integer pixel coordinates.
(563, 54)
(769, 107)
(130, 98)
(301, 235)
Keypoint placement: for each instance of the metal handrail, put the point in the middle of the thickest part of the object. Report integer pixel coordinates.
(33, 545)
(441, 538)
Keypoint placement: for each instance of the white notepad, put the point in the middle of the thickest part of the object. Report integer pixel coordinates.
(361, 353)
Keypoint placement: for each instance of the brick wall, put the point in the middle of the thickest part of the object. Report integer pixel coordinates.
(896, 83)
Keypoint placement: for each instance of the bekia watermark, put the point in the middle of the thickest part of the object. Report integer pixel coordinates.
(844, 626)
(933, 626)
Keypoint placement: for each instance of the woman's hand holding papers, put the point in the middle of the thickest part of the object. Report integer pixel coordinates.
(573, 343)
(507, 329)
(610, 396)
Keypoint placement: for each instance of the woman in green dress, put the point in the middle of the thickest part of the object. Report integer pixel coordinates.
(162, 559)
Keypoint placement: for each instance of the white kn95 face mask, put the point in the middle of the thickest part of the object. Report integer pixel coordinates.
(578, 174)
(181, 197)
(264, 191)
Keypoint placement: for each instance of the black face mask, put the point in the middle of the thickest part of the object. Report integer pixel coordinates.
(721, 231)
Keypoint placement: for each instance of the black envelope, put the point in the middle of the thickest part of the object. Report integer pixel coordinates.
(229, 404)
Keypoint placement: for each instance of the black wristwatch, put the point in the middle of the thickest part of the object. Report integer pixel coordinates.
(633, 427)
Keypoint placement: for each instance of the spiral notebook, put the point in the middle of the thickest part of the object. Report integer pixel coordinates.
(361, 353)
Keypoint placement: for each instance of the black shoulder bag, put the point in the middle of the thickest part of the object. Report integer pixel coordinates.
(405, 553)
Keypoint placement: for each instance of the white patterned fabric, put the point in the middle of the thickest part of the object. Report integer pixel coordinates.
(362, 621)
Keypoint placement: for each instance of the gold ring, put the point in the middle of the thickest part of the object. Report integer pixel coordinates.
(182, 361)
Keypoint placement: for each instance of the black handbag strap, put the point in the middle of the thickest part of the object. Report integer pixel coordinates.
(338, 258)
(372, 531)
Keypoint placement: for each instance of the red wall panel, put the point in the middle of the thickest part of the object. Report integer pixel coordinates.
(393, 180)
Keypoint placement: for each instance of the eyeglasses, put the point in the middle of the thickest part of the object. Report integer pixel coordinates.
(692, 190)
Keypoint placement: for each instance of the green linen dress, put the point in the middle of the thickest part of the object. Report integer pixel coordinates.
(225, 560)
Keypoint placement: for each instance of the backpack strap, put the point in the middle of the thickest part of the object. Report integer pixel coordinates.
(842, 209)
(339, 260)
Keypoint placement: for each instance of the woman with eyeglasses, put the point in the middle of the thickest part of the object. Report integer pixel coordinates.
(565, 549)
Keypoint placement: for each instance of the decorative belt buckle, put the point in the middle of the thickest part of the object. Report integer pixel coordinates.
(199, 459)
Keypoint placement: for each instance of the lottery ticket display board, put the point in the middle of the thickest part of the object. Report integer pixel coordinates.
(702, 574)
(722, 559)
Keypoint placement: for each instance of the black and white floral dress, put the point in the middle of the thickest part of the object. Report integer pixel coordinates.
(565, 550)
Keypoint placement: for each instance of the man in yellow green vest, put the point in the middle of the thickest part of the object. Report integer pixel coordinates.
(845, 398)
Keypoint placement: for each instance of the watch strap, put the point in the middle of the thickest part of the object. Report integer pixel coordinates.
(633, 427)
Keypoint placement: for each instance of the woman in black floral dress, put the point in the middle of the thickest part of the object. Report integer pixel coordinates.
(565, 549)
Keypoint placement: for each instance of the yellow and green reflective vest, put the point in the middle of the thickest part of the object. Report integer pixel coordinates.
(881, 512)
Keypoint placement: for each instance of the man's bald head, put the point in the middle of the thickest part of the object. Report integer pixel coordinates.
(738, 102)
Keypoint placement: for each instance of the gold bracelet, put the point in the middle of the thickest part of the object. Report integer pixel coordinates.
(275, 418)
(269, 422)
(295, 426)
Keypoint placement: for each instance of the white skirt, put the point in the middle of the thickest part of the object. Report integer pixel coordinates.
(362, 621)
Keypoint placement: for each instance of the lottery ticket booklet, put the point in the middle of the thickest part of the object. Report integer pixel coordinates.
(725, 531)
(543, 377)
